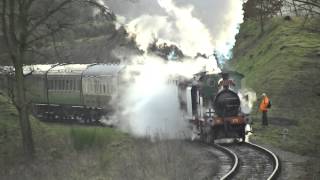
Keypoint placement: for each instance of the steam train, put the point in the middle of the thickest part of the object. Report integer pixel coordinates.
(68, 92)
(214, 113)
(84, 93)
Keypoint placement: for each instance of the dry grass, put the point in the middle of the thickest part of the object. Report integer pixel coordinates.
(76, 152)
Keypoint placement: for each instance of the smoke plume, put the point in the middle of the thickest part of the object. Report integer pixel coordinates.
(193, 25)
(247, 97)
(149, 102)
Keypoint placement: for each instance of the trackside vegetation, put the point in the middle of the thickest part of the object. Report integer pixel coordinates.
(284, 62)
(62, 151)
(78, 152)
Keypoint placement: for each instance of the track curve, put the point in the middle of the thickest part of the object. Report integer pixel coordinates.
(254, 162)
(233, 166)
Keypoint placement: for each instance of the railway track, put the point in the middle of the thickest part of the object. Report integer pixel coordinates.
(226, 161)
(249, 161)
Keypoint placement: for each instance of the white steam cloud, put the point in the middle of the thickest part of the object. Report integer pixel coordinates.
(149, 103)
(193, 25)
(248, 97)
(178, 27)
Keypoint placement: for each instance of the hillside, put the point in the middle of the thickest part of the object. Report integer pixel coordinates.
(284, 62)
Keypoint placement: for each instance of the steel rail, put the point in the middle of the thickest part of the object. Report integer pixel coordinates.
(275, 159)
(270, 154)
(234, 158)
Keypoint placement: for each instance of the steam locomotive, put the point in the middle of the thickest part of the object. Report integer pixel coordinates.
(214, 113)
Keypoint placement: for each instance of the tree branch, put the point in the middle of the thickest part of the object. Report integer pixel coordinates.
(48, 15)
(106, 11)
(313, 3)
(50, 33)
(33, 51)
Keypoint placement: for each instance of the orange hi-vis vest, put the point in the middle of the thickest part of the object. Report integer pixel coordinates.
(264, 104)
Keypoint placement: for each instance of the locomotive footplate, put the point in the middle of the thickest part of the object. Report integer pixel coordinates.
(234, 120)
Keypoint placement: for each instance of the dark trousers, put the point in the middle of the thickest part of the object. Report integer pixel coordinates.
(264, 118)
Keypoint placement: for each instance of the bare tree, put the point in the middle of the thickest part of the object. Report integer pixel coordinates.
(24, 23)
(303, 7)
(262, 9)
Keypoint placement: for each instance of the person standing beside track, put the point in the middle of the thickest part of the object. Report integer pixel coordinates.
(264, 109)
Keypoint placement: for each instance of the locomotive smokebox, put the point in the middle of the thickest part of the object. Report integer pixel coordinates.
(227, 103)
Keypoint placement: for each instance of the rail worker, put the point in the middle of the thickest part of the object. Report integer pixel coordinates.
(264, 108)
(225, 82)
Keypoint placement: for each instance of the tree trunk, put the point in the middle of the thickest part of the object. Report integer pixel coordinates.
(22, 106)
(295, 8)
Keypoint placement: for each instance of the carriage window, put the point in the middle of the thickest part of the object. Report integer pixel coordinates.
(67, 85)
(96, 86)
(78, 85)
(71, 84)
(58, 84)
(91, 85)
(107, 92)
(111, 86)
(51, 84)
(74, 84)
(63, 84)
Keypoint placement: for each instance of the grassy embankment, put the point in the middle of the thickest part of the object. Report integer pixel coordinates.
(75, 152)
(284, 62)
(62, 151)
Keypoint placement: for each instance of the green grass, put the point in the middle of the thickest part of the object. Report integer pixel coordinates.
(76, 152)
(62, 151)
(284, 62)
(84, 137)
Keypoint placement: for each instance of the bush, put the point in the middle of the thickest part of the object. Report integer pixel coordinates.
(82, 137)
(93, 137)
